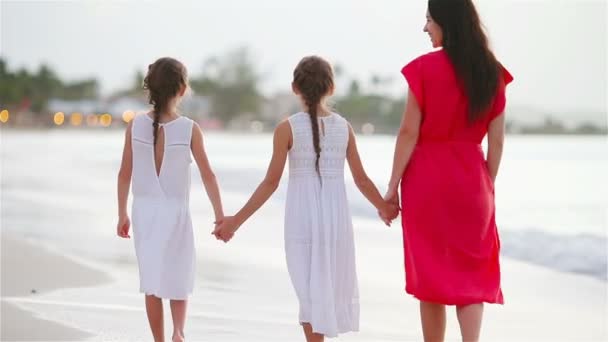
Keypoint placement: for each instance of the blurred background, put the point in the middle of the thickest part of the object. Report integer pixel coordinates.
(70, 80)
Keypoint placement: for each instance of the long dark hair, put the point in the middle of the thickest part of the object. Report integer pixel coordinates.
(314, 79)
(165, 79)
(466, 44)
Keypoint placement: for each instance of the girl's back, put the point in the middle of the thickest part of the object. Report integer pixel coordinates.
(161, 213)
(173, 180)
(319, 241)
(155, 163)
(333, 139)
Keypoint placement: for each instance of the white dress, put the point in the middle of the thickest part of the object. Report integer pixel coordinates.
(162, 226)
(319, 242)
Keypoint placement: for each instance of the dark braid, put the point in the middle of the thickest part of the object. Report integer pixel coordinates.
(165, 79)
(314, 120)
(155, 124)
(156, 112)
(314, 79)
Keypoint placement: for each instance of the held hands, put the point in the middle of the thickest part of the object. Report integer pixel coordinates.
(225, 228)
(388, 212)
(391, 210)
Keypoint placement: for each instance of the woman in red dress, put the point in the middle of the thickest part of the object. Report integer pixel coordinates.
(456, 97)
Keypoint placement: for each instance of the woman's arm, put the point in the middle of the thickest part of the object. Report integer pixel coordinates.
(496, 138)
(406, 141)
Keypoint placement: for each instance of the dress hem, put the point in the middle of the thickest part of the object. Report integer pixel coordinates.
(461, 301)
(164, 296)
(328, 335)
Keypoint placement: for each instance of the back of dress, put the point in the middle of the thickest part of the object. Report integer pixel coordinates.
(450, 236)
(319, 241)
(444, 103)
(162, 226)
(173, 180)
(333, 139)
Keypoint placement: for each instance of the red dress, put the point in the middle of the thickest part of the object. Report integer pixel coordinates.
(449, 233)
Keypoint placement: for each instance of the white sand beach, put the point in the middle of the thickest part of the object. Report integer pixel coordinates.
(237, 302)
(29, 271)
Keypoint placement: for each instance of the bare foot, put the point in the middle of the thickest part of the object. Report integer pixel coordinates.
(177, 337)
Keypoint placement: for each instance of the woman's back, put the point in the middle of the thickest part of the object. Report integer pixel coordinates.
(447, 192)
(443, 101)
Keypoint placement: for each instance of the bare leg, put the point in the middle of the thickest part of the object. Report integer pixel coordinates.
(432, 316)
(178, 313)
(154, 309)
(469, 318)
(311, 336)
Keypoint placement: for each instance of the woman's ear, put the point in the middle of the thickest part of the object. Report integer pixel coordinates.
(182, 92)
(331, 90)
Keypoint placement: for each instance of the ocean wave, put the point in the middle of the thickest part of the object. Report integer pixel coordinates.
(584, 253)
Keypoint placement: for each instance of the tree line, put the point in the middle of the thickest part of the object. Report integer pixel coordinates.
(231, 81)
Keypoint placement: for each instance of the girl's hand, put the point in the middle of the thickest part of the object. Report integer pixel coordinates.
(392, 205)
(123, 226)
(225, 228)
(385, 212)
(388, 213)
(393, 211)
(218, 220)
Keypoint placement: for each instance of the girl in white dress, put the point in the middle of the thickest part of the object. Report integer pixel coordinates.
(319, 243)
(157, 155)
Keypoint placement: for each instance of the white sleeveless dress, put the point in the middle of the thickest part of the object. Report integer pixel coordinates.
(319, 242)
(162, 226)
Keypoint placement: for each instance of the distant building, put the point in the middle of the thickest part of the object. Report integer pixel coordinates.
(75, 106)
(118, 106)
(196, 107)
(280, 106)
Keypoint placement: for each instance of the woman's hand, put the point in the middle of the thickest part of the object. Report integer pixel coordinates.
(388, 213)
(392, 196)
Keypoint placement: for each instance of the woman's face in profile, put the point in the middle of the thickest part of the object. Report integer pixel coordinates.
(434, 31)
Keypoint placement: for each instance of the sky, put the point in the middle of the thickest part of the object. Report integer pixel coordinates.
(556, 49)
